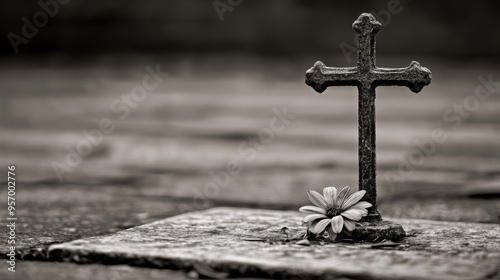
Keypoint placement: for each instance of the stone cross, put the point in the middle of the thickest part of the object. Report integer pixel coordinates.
(366, 76)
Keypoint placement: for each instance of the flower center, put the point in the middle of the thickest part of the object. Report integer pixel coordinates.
(332, 212)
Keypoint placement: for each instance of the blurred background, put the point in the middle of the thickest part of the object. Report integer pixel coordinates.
(463, 28)
(229, 120)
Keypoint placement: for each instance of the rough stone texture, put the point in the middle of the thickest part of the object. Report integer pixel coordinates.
(68, 271)
(250, 242)
(53, 214)
(49, 214)
(377, 231)
(367, 76)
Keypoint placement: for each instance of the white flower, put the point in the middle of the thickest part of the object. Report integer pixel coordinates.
(334, 210)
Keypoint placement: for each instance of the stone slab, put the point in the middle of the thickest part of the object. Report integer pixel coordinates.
(29, 270)
(249, 242)
(61, 213)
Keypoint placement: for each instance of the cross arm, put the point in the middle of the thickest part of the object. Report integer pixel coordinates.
(415, 77)
(319, 77)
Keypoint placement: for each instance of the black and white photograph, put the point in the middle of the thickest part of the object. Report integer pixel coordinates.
(250, 139)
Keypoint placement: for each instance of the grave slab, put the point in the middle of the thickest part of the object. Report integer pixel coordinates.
(250, 242)
(28, 270)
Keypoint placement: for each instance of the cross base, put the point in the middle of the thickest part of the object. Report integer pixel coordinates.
(376, 231)
(373, 216)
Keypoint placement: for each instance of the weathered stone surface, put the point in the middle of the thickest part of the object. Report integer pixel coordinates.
(68, 271)
(251, 242)
(377, 231)
(52, 214)
(55, 214)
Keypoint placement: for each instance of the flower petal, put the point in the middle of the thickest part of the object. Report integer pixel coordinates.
(330, 194)
(341, 196)
(349, 225)
(354, 214)
(319, 226)
(337, 224)
(312, 217)
(332, 235)
(312, 209)
(352, 199)
(362, 205)
(317, 199)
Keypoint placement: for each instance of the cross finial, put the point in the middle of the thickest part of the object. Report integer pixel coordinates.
(367, 76)
(366, 24)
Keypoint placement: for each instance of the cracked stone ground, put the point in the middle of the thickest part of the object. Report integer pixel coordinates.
(158, 161)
